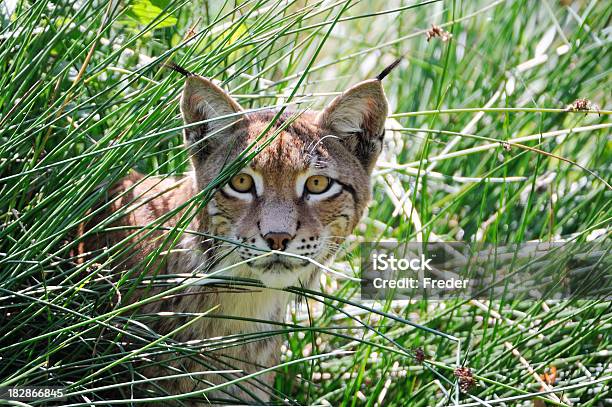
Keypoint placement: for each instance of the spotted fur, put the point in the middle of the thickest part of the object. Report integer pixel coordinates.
(341, 142)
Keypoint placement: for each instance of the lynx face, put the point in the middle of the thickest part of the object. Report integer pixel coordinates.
(303, 193)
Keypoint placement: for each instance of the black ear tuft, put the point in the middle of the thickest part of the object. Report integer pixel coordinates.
(178, 68)
(388, 69)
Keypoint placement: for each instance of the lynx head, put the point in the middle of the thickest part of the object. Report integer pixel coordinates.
(307, 188)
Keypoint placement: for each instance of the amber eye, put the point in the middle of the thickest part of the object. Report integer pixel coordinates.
(317, 184)
(242, 182)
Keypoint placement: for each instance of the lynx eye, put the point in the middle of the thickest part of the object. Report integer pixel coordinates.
(317, 184)
(242, 182)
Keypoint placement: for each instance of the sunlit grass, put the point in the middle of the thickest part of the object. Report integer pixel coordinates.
(484, 148)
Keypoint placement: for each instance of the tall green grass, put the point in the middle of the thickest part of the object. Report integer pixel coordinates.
(484, 149)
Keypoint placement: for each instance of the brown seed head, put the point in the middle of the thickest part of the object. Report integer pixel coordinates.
(466, 378)
(419, 355)
(438, 32)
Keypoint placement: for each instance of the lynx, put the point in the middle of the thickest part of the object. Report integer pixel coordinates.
(302, 194)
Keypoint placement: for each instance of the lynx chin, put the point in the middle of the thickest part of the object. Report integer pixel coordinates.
(302, 194)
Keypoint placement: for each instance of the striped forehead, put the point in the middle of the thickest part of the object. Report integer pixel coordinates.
(293, 149)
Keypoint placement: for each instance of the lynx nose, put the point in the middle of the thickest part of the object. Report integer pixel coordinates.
(277, 241)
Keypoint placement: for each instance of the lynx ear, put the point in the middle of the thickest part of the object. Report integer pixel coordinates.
(358, 116)
(203, 100)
